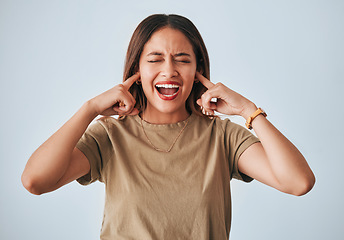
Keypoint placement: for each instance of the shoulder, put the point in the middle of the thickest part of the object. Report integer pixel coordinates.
(230, 127)
(214, 124)
(223, 124)
(233, 132)
(110, 122)
(103, 125)
(118, 125)
(107, 121)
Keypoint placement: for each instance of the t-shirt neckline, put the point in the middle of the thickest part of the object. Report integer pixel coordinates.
(166, 126)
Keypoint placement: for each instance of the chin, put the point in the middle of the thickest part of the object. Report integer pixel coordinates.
(169, 110)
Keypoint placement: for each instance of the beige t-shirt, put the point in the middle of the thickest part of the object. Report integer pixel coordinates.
(183, 194)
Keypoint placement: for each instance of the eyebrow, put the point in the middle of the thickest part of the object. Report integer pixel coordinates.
(182, 54)
(154, 54)
(175, 55)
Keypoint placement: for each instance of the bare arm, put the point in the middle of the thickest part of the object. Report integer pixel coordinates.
(275, 161)
(57, 162)
(50, 161)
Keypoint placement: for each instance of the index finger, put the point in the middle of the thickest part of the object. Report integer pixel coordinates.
(204, 80)
(127, 83)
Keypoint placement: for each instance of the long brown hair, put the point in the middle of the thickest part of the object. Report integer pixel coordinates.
(142, 34)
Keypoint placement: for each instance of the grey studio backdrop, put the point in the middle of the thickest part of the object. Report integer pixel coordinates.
(286, 56)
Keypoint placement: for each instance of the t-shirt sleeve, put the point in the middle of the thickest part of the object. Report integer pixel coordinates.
(238, 140)
(96, 146)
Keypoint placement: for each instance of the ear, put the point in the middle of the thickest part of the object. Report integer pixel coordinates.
(200, 66)
(196, 80)
(136, 68)
(200, 69)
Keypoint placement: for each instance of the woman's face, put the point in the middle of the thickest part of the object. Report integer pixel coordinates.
(167, 67)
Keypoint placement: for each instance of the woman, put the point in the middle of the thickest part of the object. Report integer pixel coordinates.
(167, 161)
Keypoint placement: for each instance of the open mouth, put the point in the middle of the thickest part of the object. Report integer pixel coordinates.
(167, 91)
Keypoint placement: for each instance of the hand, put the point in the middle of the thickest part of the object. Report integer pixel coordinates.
(228, 101)
(117, 100)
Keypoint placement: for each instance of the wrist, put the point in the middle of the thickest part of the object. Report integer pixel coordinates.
(249, 109)
(90, 109)
(250, 119)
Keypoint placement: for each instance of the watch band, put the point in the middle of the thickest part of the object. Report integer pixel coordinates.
(253, 116)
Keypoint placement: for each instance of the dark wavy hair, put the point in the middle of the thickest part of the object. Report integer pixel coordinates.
(143, 33)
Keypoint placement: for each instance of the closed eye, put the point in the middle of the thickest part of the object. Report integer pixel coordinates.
(177, 60)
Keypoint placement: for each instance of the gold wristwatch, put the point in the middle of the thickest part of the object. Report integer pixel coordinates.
(253, 116)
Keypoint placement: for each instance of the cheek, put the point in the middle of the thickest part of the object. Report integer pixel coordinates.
(191, 71)
(147, 77)
(147, 73)
(190, 75)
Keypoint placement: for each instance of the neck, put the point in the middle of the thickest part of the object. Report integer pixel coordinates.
(151, 116)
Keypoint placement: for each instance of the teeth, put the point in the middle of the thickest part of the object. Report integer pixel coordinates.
(167, 86)
(169, 95)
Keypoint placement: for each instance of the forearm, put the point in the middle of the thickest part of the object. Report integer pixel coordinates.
(287, 163)
(55, 163)
(50, 161)
(276, 161)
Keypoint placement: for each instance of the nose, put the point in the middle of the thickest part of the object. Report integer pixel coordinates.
(169, 69)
